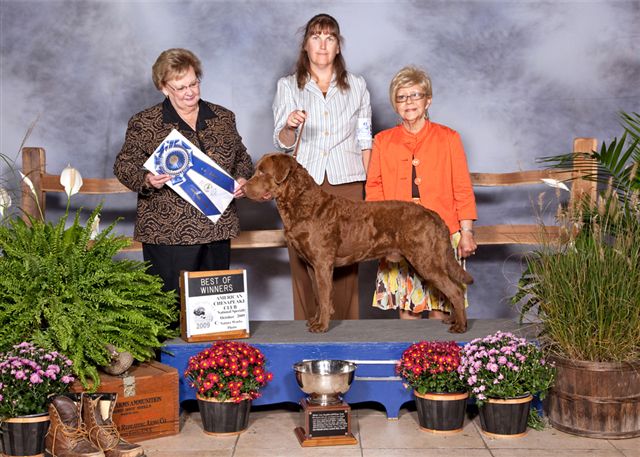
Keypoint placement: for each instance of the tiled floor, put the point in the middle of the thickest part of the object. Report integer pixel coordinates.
(270, 434)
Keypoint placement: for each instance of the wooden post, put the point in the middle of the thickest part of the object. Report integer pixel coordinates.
(583, 188)
(33, 167)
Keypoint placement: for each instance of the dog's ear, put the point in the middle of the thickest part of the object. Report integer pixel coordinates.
(282, 166)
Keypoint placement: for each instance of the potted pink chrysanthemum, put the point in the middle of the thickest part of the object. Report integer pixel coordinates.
(502, 373)
(29, 377)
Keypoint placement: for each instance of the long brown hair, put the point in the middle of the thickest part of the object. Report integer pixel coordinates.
(317, 24)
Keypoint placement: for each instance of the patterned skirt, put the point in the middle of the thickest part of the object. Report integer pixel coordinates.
(399, 286)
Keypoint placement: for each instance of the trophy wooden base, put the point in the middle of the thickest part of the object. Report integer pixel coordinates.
(325, 425)
(323, 441)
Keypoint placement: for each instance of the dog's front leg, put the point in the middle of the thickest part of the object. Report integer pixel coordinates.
(323, 292)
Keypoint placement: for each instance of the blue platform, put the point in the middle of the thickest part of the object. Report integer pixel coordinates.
(375, 345)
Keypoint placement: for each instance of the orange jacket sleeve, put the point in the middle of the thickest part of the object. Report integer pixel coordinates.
(463, 197)
(373, 188)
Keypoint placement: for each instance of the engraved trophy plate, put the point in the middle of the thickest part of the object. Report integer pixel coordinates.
(326, 417)
(333, 422)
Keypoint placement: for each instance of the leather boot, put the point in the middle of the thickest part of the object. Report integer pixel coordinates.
(97, 414)
(67, 436)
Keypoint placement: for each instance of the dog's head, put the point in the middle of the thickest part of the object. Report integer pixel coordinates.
(272, 171)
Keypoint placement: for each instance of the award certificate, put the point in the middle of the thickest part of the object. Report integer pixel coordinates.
(194, 176)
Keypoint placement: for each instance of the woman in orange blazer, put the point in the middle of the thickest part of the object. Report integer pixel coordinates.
(424, 162)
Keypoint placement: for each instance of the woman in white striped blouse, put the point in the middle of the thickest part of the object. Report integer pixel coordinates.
(335, 143)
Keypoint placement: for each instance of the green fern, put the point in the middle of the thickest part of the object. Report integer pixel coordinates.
(64, 291)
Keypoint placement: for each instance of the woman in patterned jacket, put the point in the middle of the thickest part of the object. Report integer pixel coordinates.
(174, 234)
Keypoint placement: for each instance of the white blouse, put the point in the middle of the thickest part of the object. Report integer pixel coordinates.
(337, 129)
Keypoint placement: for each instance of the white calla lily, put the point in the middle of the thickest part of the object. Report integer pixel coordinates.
(555, 183)
(71, 180)
(5, 200)
(95, 228)
(28, 182)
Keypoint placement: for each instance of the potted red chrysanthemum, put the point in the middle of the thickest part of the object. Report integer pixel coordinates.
(430, 369)
(227, 377)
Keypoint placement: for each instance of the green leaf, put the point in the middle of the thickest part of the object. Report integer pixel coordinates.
(62, 290)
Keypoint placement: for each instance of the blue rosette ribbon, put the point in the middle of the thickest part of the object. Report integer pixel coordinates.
(177, 160)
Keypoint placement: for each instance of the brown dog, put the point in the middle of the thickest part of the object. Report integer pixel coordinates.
(329, 231)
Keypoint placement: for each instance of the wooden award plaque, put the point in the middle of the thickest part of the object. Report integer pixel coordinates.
(325, 425)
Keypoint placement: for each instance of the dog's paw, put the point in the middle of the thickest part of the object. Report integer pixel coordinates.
(448, 320)
(318, 328)
(457, 328)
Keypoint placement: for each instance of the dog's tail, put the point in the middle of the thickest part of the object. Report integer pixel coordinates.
(458, 273)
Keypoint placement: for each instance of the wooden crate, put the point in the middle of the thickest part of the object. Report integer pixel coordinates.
(147, 405)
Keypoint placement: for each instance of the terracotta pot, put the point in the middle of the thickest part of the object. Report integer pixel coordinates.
(441, 412)
(505, 417)
(595, 399)
(224, 417)
(24, 435)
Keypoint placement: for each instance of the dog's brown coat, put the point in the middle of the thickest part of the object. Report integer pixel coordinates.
(329, 231)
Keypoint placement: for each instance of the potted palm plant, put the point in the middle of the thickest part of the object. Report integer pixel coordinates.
(584, 294)
(62, 288)
(430, 368)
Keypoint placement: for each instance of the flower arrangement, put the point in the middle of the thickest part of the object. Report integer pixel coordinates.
(28, 376)
(228, 370)
(504, 366)
(431, 366)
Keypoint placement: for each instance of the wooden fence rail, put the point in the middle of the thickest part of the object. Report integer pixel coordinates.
(34, 166)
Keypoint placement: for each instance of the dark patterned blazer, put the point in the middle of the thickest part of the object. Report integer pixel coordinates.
(163, 217)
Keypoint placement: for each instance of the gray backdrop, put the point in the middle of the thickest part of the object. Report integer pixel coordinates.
(518, 79)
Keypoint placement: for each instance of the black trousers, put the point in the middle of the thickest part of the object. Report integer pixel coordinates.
(167, 261)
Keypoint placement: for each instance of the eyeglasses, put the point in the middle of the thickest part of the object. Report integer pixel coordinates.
(415, 96)
(183, 89)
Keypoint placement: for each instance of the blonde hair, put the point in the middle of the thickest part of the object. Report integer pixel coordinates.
(409, 76)
(172, 64)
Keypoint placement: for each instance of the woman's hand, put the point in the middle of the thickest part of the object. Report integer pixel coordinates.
(156, 181)
(467, 245)
(296, 119)
(239, 192)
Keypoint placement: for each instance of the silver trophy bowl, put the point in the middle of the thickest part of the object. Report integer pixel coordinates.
(325, 381)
